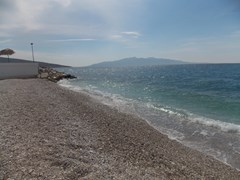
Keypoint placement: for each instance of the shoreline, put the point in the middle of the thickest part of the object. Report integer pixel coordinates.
(51, 132)
(209, 139)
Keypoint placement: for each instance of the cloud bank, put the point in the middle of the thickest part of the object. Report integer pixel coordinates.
(66, 17)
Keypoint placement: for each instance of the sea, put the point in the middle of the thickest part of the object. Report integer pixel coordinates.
(197, 105)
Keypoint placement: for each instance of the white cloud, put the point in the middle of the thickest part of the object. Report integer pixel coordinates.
(125, 36)
(129, 39)
(71, 40)
(28, 13)
(24, 15)
(116, 37)
(37, 15)
(94, 18)
(132, 34)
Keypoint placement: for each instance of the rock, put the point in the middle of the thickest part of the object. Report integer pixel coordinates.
(69, 76)
(53, 75)
(44, 75)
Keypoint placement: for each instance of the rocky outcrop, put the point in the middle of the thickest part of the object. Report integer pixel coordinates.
(53, 75)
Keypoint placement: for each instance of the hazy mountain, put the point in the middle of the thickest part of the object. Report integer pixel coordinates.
(41, 64)
(133, 61)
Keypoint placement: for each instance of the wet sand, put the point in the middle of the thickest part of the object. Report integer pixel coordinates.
(49, 132)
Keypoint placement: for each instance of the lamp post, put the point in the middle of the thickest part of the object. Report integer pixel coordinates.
(32, 52)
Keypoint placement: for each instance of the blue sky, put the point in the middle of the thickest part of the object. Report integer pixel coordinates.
(83, 32)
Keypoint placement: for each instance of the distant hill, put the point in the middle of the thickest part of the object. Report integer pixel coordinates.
(133, 61)
(41, 64)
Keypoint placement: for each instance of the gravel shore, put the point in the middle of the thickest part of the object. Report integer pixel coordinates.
(49, 132)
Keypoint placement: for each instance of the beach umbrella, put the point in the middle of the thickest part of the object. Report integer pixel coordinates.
(7, 52)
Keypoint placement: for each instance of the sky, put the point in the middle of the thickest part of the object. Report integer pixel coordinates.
(84, 32)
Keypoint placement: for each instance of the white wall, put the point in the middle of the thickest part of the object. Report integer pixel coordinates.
(18, 70)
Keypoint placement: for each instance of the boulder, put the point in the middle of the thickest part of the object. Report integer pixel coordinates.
(44, 75)
(53, 75)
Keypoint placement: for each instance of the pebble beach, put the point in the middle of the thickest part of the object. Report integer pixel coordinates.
(50, 132)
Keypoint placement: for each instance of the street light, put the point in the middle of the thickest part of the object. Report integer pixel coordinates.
(32, 52)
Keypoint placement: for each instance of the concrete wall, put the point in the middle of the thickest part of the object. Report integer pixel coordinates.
(18, 70)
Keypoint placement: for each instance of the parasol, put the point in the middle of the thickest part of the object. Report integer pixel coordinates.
(7, 52)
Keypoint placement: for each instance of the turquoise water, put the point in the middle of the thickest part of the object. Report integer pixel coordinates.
(198, 105)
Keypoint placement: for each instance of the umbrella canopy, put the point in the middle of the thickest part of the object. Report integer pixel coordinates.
(7, 52)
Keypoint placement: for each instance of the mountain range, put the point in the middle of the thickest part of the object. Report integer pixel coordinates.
(126, 62)
(134, 61)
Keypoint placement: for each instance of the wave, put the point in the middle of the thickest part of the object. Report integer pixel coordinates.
(224, 126)
(192, 130)
(129, 105)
